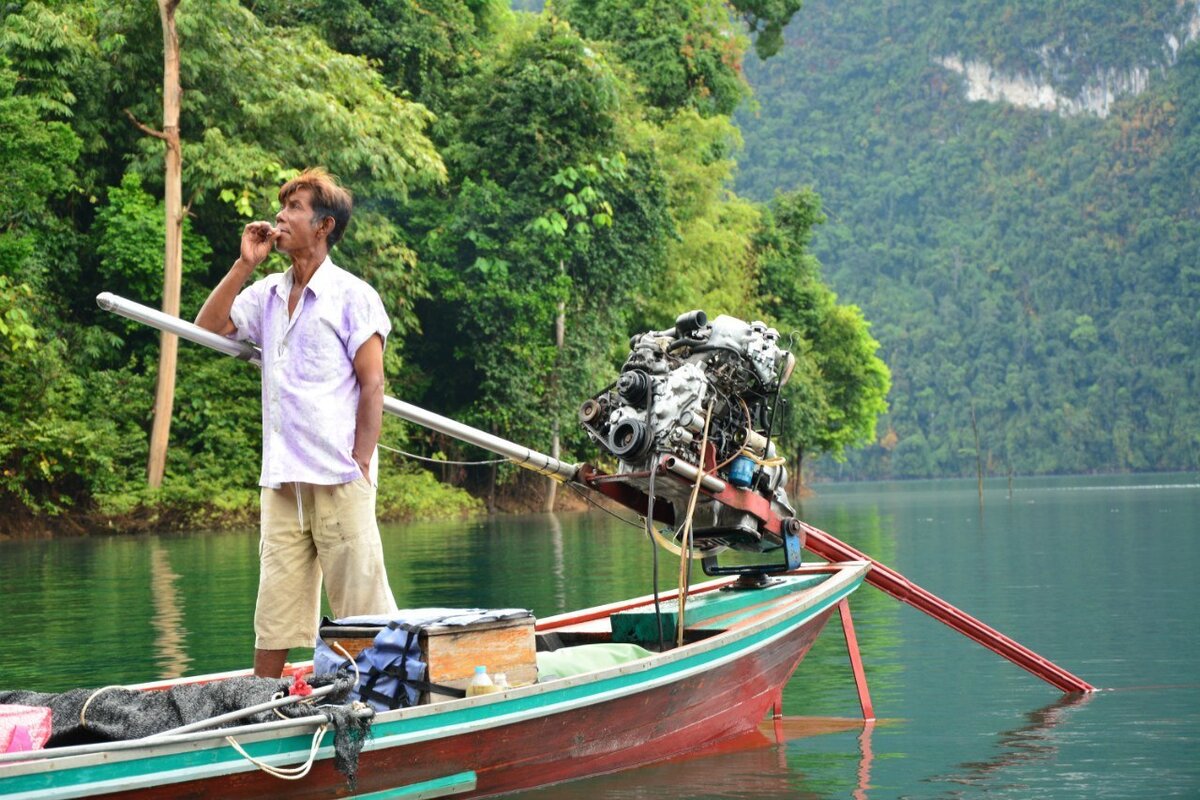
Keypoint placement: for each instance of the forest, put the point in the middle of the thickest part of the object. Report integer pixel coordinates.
(1031, 270)
(514, 172)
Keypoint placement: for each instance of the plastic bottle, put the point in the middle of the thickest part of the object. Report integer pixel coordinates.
(480, 683)
(501, 681)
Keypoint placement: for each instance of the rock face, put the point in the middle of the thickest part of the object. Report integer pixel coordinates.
(1029, 91)
(1037, 90)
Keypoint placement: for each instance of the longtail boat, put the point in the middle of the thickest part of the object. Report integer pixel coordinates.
(740, 648)
(690, 423)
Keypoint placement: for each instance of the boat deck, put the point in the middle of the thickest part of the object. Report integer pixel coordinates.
(711, 608)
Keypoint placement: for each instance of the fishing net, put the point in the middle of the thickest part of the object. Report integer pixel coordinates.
(90, 716)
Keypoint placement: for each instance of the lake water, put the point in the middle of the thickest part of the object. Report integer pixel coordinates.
(1096, 574)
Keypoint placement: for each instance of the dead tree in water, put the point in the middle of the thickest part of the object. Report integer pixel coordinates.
(978, 455)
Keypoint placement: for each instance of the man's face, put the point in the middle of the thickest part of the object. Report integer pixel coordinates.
(295, 223)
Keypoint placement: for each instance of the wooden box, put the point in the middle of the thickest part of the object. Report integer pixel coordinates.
(348, 640)
(453, 651)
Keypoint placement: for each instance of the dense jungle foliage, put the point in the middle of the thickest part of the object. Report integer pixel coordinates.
(1039, 269)
(508, 167)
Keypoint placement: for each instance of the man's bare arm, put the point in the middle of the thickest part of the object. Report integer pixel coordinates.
(368, 367)
(257, 240)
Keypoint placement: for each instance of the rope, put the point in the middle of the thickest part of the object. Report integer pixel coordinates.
(654, 556)
(686, 541)
(592, 502)
(777, 461)
(674, 549)
(285, 773)
(353, 663)
(309, 701)
(407, 454)
(88, 702)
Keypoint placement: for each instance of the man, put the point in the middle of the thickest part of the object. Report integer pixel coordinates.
(322, 333)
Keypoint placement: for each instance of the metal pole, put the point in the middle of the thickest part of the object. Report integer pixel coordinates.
(520, 455)
(249, 711)
(184, 330)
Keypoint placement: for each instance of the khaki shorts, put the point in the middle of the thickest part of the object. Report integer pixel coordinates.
(333, 533)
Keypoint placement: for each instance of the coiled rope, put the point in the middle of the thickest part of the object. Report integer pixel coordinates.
(285, 773)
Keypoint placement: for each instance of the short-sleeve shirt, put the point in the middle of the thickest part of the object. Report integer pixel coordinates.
(309, 387)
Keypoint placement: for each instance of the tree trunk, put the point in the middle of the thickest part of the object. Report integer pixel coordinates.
(795, 478)
(560, 329)
(799, 472)
(164, 396)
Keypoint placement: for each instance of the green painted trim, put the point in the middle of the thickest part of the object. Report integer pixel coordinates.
(640, 625)
(160, 770)
(438, 787)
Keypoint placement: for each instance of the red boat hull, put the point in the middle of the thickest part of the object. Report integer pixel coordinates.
(651, 725)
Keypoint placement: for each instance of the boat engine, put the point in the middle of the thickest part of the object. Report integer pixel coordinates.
(701, 395)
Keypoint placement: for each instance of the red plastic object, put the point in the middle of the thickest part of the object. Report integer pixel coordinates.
(299, 686)
(23, 728)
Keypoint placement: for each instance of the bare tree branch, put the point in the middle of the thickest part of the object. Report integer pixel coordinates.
(146, 129)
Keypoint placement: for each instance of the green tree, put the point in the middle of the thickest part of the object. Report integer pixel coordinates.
(128, 238)
(710, 259)
(55, 454)
(840, 386)
(556, 205)
(37, 155)
(423, 50)
(685, 53)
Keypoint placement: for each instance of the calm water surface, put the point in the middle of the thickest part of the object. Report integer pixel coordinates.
(1097, 574)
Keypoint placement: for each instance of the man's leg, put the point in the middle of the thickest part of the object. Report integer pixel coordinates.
(289, 580)
(350, 551)
(269, 663)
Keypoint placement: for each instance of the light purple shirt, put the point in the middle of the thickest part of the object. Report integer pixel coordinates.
(309, 387)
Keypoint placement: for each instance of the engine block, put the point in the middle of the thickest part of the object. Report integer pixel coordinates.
(702, 393)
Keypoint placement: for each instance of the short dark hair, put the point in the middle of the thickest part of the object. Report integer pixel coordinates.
(329, 199)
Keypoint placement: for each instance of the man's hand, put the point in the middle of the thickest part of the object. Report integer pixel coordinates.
(258, 238)
(363, 466)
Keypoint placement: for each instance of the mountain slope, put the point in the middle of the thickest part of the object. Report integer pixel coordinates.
(1014, 201)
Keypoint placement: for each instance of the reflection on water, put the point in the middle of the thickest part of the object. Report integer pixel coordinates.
(558, 570)
(1034, 741)
(753, 765)
(864, 761)
(172, 659)
(1101, 581)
